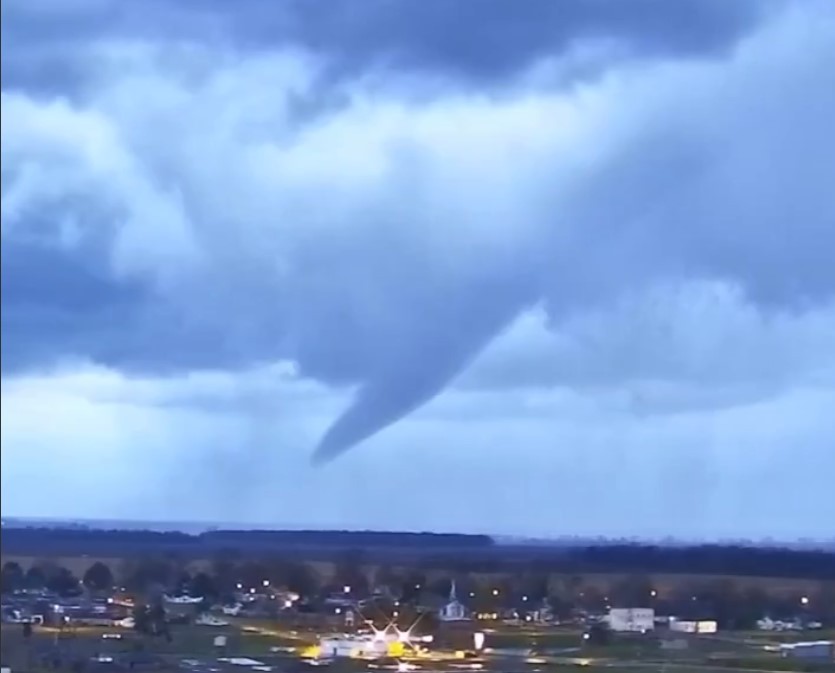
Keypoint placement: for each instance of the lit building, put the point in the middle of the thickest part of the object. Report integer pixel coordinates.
(636, 620)
(454, 610)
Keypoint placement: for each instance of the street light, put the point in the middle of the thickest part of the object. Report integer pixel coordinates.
(346, 589)
(266, 583)
(495, 592)
(804, 600)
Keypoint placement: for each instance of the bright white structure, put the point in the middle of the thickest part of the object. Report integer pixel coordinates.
(183, 600)
(635, 620)
(379, 645)
(454, 610)
(767, 624)
(692, 626)
(243, 661)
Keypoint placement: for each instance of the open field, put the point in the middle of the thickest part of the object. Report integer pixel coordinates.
(731, 652)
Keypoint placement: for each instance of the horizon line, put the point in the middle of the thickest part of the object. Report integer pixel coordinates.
(196, 526)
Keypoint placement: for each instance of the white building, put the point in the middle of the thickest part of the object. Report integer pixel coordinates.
(454, 610)
(381, 644)
(693, 626)
(634, 620)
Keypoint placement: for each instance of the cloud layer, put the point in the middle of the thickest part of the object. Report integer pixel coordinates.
(634, 207)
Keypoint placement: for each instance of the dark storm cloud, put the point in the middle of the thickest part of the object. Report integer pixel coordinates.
(385, 245)
(480, 41)
(58, 306)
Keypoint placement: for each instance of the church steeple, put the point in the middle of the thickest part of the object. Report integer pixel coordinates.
(453, 611)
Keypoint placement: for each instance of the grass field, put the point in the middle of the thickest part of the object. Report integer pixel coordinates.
(732, 652)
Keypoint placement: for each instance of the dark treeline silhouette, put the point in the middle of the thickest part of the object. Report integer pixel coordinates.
(464, 553)
(714, 560)
(347, 539)
(315, 544)
(707, 560)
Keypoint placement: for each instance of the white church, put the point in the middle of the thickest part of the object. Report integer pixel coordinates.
(454, 610)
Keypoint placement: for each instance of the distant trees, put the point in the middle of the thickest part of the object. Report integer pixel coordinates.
(62, 582)
(385, 576)
(534, 587)
(440, 586)
(35, 578)
(149, 620)
(142, 574)
(300, 578)
(349, 573)
(12, 577)
(412, 586)
(452, 553)
(203, 585)
(98, 577)
(735, 604)
(253, 573)
(632, 590)
(822, 603)
(224, 570)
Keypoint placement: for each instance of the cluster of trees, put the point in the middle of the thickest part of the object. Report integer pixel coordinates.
(79, 540)
(736, 560)
(48, 576)
(458, 553)
(732, 604)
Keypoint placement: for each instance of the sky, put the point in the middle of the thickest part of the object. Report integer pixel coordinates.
(537, 269)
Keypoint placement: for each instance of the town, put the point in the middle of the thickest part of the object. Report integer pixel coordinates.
(273, 611)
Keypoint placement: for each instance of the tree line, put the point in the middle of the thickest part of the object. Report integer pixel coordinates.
(727, 601)
(78, 540)
(460, 553)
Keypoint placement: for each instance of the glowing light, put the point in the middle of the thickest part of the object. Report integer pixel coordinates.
(265, 583)
(478, 640)
(804, 600)
(495, 592)
(346, 589)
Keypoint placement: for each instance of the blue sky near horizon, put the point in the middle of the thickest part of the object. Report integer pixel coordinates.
(541, 268)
